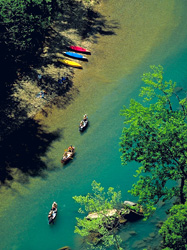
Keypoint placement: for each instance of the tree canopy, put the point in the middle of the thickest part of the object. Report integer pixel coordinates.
(24, 26)
(101, 226)
(174, 229)
(23, 23)
(155, 136)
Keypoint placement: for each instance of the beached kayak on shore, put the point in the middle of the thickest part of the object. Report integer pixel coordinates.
(79, 49)
(75, 55)
(70, 63)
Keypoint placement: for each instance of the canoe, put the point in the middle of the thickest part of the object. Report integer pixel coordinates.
(52, 217)
(68, 156)
(83, 125)
(75, 55)
(70, 63)
(52, 213)
(79, 49)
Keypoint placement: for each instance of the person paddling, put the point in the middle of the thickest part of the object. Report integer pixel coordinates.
(70, 149)
(85, 117)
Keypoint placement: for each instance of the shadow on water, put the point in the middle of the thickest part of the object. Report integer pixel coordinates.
(69, 163)
(86, 22)
(85, 129)
(22, 141)
(22, 150)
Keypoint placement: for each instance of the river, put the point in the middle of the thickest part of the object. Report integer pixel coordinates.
(143, 33)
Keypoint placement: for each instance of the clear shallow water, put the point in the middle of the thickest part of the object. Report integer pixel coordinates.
(147, 33)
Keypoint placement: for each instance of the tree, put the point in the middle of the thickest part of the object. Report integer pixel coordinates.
(156, 137)
(99, 204)
(23, 24)
(174, 229)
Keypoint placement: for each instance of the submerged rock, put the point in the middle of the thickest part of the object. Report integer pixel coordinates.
(65, 248)
(152, 235)
(139, 244)
(159, 224)
(122, 220)
(178, 89)
(132, 232)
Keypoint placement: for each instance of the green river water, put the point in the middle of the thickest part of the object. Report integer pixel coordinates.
(146, 32)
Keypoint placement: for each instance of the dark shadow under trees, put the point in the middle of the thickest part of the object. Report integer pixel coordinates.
(22, 150)
(22, 140)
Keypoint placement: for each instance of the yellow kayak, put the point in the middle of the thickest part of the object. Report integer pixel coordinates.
(70, 63)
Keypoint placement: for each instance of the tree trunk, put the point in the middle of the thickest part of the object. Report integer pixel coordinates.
(54, 6)
(117, 244)
(182, 198)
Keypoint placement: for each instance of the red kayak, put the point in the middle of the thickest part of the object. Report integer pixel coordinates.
(79, 49)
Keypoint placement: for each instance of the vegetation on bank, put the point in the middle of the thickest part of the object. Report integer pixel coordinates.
(155, 136)
(174, 229)
(23, 25)
(74, 22)
(33, 34)
(100, 228)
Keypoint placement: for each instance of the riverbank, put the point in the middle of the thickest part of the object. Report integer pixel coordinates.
(41, 117)
(29, 94)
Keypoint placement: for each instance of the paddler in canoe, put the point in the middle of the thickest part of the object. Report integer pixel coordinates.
(68, 154)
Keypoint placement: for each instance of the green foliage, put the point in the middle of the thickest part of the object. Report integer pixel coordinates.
(174, 229)
(98, 201)
(23, 23)
(155, 136)
(101, 228)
